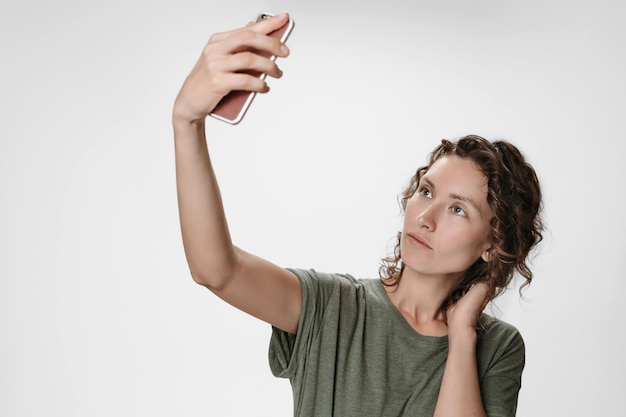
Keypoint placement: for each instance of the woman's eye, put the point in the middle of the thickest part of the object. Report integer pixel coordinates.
(458, 210)
(426, 192)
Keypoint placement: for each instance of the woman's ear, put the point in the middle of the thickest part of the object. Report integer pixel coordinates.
(487, 255)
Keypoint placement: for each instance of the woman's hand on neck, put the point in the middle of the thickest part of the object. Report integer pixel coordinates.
(463, 316)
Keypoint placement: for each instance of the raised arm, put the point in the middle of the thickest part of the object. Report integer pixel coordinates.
(247, 282)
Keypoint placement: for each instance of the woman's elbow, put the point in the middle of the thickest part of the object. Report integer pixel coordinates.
(215, 279)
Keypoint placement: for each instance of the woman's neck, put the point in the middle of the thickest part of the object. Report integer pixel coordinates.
(419, 299)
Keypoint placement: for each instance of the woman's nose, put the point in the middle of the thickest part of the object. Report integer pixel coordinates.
(426, 219)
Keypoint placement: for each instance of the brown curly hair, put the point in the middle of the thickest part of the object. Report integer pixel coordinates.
(514, 196)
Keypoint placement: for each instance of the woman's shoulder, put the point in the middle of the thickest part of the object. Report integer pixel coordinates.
(489, 323)
(497, 334)
(306, 275)
(314, 281)
(335, 278)
(500, 352)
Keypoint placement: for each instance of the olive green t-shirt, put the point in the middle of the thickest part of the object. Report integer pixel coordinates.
(355, 355)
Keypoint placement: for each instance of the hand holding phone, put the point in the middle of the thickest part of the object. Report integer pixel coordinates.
(234, 105)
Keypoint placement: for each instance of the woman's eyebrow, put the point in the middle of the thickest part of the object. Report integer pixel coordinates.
(454, 196)
(464, 199)
(428, 182)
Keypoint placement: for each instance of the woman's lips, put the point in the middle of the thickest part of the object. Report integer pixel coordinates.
(418, 240)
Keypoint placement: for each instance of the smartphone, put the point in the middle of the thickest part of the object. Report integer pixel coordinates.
(234, 105)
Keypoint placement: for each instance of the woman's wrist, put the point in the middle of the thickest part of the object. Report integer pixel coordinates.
(464, 335)
(186, 125)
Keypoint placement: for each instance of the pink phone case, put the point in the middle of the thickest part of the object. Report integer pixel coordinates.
(234, 105)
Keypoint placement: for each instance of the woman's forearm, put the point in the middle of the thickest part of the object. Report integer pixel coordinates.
(208, 247)
(460, 395)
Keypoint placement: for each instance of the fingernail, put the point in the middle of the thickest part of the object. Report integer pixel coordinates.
(284, 49)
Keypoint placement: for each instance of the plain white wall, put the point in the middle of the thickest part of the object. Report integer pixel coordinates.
(98, 314)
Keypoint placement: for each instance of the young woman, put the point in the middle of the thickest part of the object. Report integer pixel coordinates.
(413, 343)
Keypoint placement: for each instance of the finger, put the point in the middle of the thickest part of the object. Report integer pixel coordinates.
(263, 27)
(244, 40)
(479, 294)
(266, 26)
(244, 82)
(246, 61)
(248, 41)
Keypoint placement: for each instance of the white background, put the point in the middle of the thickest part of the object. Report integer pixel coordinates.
(98, 314)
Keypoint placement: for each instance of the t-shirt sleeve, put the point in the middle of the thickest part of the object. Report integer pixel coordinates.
(287, 350)
(503, 358)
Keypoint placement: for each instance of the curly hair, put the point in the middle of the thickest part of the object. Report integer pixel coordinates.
(514, 196)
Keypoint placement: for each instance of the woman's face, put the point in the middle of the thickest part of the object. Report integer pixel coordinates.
(447, 220)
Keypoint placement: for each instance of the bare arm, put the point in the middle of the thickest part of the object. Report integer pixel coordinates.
(247, 282)
(460, 394)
